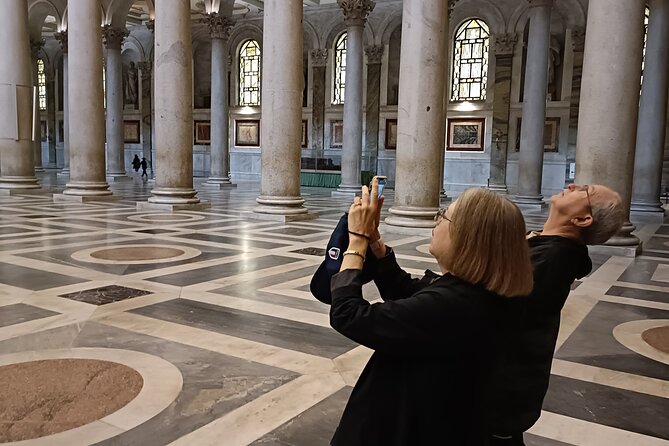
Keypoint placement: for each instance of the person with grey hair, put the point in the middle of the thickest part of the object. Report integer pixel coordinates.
(580, 215)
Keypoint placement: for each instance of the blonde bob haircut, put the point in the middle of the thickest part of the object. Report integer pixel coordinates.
(488, 245)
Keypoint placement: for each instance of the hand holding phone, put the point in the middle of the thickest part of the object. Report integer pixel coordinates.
(382, 183)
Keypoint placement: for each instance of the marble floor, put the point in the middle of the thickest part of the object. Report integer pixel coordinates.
(215, 339)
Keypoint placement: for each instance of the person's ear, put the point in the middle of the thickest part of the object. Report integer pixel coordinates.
(582, 222)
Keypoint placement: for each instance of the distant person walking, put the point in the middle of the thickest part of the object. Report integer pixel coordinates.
(144, 165)
(136, 163)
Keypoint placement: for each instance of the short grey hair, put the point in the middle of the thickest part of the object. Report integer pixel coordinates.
(607, 219)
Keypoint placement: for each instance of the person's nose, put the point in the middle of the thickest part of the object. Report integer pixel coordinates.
(572, 187)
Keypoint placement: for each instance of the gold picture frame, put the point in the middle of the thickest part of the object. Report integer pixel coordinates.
(247, 133)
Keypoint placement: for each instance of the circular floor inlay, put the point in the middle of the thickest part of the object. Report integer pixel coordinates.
(167, 218)
(657, 337)
(135, 254)
(51, 396)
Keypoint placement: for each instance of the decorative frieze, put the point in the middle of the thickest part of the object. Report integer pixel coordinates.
(374, 54)
(505, 44)
(356, 11)
(319, 57)
(219, 25)
(113, 37)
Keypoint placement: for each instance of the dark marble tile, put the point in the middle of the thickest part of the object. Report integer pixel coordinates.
(320, 252)
(535, 440)
(67, 236)
(156, 231)
(225, 270)
(635, 293)
(213, 384)
(18, 313)
(270, 330)
(33, 279)
(657, 243)
(313, 427)
(242, 242)
(297, 232)
(655, 253)
(610, 406)
(641, 271)
(663, 230)
(15, 231)
(105, 295)
(34, 216)
(592, 343)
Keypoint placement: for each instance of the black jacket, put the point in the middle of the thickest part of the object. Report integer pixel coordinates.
(428, 380)
(528, 329)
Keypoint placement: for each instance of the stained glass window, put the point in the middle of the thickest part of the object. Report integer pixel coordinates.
(41, 84)
(470, 61)
(249, 73)
(339, 70)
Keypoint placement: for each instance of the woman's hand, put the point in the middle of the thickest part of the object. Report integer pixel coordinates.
(363, 216)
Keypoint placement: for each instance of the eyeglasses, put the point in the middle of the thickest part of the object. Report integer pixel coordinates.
(441, 213)
(585, 188)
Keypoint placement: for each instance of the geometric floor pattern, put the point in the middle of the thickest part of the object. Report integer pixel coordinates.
(213, 309)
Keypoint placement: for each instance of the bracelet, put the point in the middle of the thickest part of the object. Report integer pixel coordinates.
(366, 237)
(351, 252)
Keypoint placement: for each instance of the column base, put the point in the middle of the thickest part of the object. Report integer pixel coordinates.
(611, 250)
(39, 169)
(16, 192)
(60, 198)
(412, 217)
(150, 206)
(647, 211)
(118, 178)
(530, 202)
(19, 182)
(499, 188)
(281, 207)
(258, 214)
(64, 172)
(174, 196)
(623, 243)
(340, 194)
(349, 189)
(404, 230)
(218, 183)
(87, 188)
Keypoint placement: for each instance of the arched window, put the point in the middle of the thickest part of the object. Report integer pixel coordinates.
(645, 39)
(470, 61)
(249, 73)
(41, 84)
(339, 70)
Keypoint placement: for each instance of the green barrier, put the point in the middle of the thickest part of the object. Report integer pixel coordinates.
(328, 179)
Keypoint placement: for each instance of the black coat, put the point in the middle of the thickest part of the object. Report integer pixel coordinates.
(528, 329)
(428, 380)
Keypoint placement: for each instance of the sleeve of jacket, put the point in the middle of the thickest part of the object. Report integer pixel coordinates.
(392, 281)
(405, 326)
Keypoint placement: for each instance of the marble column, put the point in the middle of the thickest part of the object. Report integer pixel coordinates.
(318, 63)
(355, 16)
(652, 115)
(219, 27)
(607, 122)
(174, 108)
(145, 69)
(65, 171)
(531, 157)
(17, 165)
(420, 132)
(373, 105)
(113, 39)
(281, 112)
(87, 143)
(504, 44)
(578, 45)
(35, 48)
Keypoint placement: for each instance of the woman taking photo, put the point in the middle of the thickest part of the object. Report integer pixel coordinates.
(433, 339)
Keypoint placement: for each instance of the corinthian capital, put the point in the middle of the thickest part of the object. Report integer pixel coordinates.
(61, 37)
(219, 25)
(374, 54)
(35, 47)
(505, 44)
(113, 37)
(356, 11)
(319, 57)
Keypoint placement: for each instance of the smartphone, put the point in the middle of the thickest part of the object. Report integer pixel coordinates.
(382, 183)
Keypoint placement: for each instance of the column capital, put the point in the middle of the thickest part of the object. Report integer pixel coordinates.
(538, 3)
(35, 47)
(505, 44)
(356, 11)
(578, 39)
(374, 54)
(319, 57)
(451, 5)
(113, 37)
(219, 25)
(61, 37)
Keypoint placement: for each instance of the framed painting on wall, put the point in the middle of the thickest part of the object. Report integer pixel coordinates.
(466, 134)
(551, 132)
(202, 132)
(305, 141)
(391, 134)
(336, 133)
(131, 132)
(247, 132)
(43, 133)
